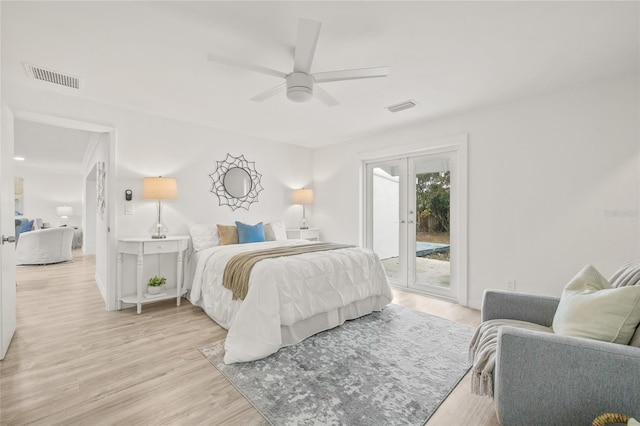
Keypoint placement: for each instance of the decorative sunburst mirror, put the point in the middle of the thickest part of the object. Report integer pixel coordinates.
(236, 182)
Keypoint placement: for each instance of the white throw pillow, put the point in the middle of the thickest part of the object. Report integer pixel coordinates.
(589, 307)
(203, 236)
(275, 231)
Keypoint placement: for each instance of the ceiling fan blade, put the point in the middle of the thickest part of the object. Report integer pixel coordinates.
(325, 77)
(308, 33)
(257, 68)
(324, 97)
(270, 93)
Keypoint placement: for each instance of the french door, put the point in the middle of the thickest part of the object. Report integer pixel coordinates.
(412, 221)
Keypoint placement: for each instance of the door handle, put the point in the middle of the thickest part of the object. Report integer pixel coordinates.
(9, 239)
(402, 221)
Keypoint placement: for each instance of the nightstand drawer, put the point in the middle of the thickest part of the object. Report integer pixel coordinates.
(151, 247)
(312, 234)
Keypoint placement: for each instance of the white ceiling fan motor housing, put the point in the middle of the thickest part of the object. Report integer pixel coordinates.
(299, 87)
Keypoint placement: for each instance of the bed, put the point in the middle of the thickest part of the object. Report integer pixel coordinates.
(289, 298)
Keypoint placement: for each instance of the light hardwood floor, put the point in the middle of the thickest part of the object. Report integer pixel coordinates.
(72, 362)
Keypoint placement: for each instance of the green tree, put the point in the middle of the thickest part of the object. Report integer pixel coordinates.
(432, 200)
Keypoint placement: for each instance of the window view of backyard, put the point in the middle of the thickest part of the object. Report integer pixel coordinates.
(432, 229)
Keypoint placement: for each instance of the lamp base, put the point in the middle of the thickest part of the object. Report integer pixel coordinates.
(158, 231)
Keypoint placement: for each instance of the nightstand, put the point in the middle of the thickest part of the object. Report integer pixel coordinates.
(140, 247)
(311, 234)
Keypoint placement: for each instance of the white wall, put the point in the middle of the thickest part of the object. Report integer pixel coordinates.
(149, 145)
(553, 185)
(44, 190)
(189, 154)
(96, 226)
(90, 216)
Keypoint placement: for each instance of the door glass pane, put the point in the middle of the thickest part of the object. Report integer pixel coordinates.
(432, 198)
(385, 220)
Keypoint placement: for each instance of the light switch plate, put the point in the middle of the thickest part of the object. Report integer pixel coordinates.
(128, 209)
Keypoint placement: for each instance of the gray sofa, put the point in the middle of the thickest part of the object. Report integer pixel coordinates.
(543, 378)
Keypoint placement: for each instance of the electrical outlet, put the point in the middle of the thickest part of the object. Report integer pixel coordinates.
(511, 285)
(128, 209)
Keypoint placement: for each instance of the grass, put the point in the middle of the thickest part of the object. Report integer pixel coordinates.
(433, 237)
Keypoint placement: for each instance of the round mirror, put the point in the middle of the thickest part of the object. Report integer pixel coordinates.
(237, 182)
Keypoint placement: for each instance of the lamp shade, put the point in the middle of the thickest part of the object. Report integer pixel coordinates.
(64, 211)
(303, 196)
(159, 188)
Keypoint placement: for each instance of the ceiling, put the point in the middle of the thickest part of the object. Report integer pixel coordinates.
(50, 147)
(448, 56)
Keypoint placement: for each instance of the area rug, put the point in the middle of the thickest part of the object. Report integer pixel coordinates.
(393, 367)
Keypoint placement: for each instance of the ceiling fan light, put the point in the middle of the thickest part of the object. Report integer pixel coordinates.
(300, 94)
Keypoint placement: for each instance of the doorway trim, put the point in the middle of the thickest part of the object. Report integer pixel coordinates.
(109, 294)
(458, 145)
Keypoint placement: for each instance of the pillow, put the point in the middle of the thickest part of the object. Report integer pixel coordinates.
(250, 233)
(26, 227)
(228, 234)
(589, 307)
(275, 231)
(203, 236)
(627, 275)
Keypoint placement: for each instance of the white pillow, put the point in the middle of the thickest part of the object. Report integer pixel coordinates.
(589, 307)
(203, 236)
(275, 231)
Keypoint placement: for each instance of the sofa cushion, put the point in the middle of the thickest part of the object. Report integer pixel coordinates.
(589, 307)
(627, 275)
(26, 227)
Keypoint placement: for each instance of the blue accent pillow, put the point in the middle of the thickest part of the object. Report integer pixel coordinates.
(27, 227)
(250, 233)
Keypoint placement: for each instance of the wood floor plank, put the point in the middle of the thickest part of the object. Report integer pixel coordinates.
(72, 362)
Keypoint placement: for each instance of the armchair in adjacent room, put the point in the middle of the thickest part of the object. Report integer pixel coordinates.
(44, 246)
(538, 376)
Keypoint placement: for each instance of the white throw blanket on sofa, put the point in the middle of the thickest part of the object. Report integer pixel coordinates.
(482, 352)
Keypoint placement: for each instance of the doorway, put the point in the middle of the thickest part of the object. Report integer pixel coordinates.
(97, 238)
(415, 219)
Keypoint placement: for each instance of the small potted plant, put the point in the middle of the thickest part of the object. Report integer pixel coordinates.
(155, 284)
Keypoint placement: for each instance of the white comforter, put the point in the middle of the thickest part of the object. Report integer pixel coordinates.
(283, 291)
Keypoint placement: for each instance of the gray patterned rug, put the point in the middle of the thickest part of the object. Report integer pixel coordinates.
(393, 367)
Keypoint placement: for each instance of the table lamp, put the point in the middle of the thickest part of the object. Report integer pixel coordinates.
(303, 196)
(64, 212)
(159, 188)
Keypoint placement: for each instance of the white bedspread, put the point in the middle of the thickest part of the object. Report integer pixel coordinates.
(283, 291)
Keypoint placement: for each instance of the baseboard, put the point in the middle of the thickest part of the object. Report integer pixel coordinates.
(102, 288)
(475, 304)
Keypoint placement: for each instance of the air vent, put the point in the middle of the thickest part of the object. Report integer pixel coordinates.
(402, 106)
(54, 77)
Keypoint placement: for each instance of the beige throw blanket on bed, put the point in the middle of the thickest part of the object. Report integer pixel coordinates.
(482, 352)
(238, 269)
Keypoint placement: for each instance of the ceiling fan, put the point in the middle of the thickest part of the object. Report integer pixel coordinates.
(300, 84)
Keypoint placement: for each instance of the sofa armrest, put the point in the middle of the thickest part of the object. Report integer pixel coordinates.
(498, 304)
(543, 378)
